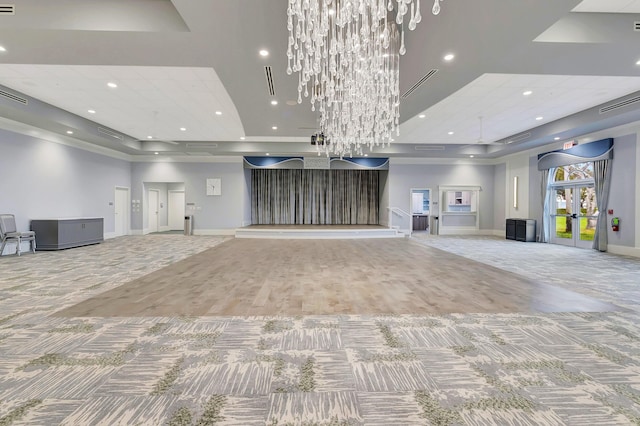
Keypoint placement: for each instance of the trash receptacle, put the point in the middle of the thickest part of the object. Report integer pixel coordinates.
(434, 225)
(188, 225)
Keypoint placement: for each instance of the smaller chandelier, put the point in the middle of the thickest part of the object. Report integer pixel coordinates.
(346, 54)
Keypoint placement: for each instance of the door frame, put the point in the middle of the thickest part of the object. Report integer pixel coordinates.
(577, 216)
(411, 191)
(127, 208)
(149, 230)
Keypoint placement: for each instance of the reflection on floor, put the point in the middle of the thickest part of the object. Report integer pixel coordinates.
(456, 368)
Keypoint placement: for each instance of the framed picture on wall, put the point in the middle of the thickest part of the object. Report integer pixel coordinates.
(214, 186)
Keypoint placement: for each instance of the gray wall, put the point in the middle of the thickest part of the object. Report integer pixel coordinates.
(210, 212)
(622, 198)
(42, 179)
(499, 200)
(403, 177)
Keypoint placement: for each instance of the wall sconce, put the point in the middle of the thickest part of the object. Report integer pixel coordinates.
(515, 192)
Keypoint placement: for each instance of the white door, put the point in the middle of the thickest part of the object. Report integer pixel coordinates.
(154, 199)
(176, 210)
(121, 212)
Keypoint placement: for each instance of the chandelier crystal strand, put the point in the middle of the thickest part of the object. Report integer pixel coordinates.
(346, 54)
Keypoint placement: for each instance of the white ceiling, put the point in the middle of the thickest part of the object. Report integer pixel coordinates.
(499, 99)
(609, 6)
(177, 66)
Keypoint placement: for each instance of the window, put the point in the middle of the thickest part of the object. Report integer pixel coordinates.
(574, 172)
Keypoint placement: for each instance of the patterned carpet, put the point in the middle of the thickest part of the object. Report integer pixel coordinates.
(458, 369)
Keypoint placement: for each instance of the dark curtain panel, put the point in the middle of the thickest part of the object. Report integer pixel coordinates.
(319, 197)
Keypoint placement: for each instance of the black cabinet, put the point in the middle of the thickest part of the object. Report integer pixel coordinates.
(521, 230)
(57, 234)
(420, 222)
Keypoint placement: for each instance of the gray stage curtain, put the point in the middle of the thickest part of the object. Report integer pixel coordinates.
(602, 178)
(545, 222)
(319, 197)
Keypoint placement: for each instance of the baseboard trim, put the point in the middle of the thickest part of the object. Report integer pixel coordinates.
(453, 230)
(624, 250)
(137, 232)
(109, 235)
(214, 231)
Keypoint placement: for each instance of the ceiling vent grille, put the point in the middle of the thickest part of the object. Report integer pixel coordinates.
(270, 86)
(7, 9)
(636, 26)
(429, 147)
(202, 145)
(110, 133)
(619, 105)
(14, 97)
(413, 88)
(512, 139)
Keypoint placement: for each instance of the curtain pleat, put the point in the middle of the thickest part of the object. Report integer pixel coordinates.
(602, 184)
(545, 223)
(319, 197)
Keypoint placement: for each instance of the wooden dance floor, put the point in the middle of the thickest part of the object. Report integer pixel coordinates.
(248, 277)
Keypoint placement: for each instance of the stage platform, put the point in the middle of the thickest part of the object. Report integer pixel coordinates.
(317, 232)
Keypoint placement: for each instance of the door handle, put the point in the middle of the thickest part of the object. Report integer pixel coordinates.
(575, 215)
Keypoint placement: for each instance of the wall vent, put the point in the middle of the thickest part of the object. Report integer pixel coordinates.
(14, 97)
(620, 104)
(202, 145)
(413, 88)
(7, 9)
(270, 86)
(512, 139)
(199, 154)
(636, 26)
(429, 147)
(110, 133)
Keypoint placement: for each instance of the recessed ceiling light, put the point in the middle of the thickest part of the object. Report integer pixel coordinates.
(69, 132)
(449, 57)
(421, 116)
(155, 153)
(391, 140)
(638, 63)
(527, 92)
(218, 112)
(149, 137)
(366, 155)
(450, 133)
(91, 111)
(183, 129)
(2, 49)
(112, 85)
(539, 118)
(471, 156)
(556, 138)
(275, 127)
(264, 52)
(267, 154)
(274, 102)
(242, 138)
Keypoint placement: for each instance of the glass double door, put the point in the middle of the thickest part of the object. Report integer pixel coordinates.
(574, 215)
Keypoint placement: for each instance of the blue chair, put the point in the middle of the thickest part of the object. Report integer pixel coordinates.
(9, 233)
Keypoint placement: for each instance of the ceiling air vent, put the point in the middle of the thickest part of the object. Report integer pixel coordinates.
(7, 9)
(110, 133)
(14, 97)
(620, 104)
(202, 145)
(270, 86)
(636, 26)
(413, 88)
(516, 138)
(429, 147)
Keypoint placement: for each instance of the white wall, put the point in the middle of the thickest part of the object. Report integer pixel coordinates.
(212, 214)
(404, 175)
(42, 179)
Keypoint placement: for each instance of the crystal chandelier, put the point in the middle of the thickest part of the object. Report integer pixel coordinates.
(346, 54)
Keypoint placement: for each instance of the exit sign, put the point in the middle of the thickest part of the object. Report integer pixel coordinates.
(569, 145)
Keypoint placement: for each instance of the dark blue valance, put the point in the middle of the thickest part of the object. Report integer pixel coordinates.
(593, 151)
(360, 163)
